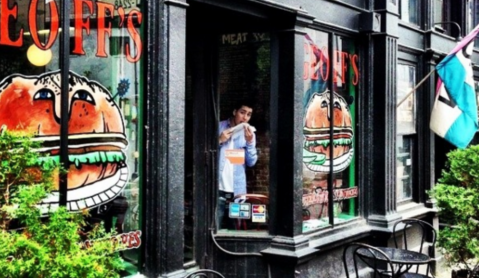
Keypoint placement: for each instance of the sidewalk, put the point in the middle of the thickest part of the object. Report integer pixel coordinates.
(445, 274)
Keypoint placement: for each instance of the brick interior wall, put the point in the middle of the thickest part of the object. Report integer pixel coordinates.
(244, 73)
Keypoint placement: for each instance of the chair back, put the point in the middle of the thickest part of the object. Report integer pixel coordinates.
(361, 255)
(205, 273)
(252, 198)
(425, 236)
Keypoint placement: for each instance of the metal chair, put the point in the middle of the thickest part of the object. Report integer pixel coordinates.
(427, 238)
(368, 256)
(204, 273)
(414, 275)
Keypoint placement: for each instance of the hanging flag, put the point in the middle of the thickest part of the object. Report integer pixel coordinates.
(454, 114)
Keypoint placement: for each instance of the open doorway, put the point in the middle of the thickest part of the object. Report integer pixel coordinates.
(228, 62)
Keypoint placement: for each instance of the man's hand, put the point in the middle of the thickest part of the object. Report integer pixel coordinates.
(248, 135)
(225, 135)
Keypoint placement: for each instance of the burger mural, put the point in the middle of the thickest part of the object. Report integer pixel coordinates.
(317, 135)
(328, 130)
(318, 111)
(96, 142)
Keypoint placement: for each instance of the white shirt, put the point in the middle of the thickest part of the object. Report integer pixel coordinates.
(226, 179)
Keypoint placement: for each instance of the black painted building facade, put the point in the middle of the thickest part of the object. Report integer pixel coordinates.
(201, 54)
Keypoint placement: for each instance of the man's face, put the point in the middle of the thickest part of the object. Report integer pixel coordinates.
(242, 115)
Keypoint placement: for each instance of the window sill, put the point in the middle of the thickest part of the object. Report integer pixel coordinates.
(440, 34)
(413, 210)
(326, 239)
(234, 234)
(410, 26)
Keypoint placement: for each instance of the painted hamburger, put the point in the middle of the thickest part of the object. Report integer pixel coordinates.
(317, 135)
(96, 141)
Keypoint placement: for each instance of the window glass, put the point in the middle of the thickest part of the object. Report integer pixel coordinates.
(410, 11)
(356, 3)
(189, 212)
(406, 112)
(243, 131)
(406, 130)
(448, 17)
(474, 13)
(404, 167)
(438, 11)
(328, 150)
(104, 103)
(470, 16)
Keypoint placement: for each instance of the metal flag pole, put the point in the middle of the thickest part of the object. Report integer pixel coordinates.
(415, 88)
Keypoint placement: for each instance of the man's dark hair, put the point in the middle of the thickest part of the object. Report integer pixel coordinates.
(244, 102)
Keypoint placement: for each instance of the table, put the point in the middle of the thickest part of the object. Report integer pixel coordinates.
(405, 259)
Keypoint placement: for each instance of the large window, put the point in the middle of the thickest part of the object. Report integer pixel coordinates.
(406, 131)
(473, 13)
(104, 103)
(329, 182)
(410, 11)
(439, 14)
(474, 17)
(243, 92)
(448, 17)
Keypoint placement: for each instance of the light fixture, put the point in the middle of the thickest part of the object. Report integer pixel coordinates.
(459, 36)
(39, 57)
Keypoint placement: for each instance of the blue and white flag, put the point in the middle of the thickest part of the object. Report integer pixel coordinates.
(454, 114)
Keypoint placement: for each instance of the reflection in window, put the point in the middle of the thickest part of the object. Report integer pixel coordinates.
(410, 11)
(447, 14)
(438, 11)
(474, 18)
(189, 217)
(406, 112)
(105, 106)
(121, 79)
(406, 131)
(328, 152)
(404, 167)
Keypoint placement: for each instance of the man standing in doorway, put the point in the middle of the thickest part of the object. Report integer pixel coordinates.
(237, 143)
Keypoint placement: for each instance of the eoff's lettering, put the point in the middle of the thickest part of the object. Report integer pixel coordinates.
(83, 12)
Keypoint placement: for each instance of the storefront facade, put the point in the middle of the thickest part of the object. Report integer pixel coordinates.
(131, 98)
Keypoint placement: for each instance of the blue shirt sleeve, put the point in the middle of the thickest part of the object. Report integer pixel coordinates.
(251, 155)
